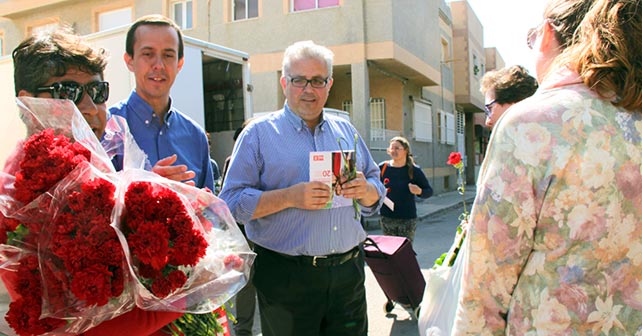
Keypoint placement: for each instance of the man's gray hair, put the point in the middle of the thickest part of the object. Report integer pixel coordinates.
(305, 50)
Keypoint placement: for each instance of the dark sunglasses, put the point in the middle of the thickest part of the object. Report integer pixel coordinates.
(98, 91)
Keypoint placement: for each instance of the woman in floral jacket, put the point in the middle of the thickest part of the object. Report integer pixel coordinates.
(556, 228)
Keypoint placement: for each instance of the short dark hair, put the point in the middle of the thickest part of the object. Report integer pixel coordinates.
(240, 129)
(152, 20)
(51, 54)
(511, 84)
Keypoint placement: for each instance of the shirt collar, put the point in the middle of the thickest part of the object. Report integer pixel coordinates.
(559, 77)
(298, 123)
(144, 111)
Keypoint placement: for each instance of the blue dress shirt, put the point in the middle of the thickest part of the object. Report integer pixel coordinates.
(178, 135)
(273, 153)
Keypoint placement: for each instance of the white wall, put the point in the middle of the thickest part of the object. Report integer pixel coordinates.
(187, 91)
(11, 128)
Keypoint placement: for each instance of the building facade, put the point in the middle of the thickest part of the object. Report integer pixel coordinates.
(469, 65)
(409, 68)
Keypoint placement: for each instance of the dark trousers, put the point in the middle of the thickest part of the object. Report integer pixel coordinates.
(245, 307)
(298, 299)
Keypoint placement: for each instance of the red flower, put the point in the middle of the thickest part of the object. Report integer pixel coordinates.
(24, 313)
(48, 158)
(233, 261)
(161, 236)
(150, 244)
(454, 158)
(86, 248)
(386, 181)
(93, 284)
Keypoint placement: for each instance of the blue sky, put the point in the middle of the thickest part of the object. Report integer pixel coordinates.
(505, 25)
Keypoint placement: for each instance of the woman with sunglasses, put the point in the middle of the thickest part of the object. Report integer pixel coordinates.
(61, 65)
(503, 88)
(556, 228)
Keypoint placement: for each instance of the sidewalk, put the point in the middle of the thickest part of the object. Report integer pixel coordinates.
(445, 201)
(434, 205)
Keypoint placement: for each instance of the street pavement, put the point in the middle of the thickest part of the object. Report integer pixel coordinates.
(399, 321)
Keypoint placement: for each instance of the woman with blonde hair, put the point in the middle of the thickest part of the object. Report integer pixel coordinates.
(555, 234)
(403, 180)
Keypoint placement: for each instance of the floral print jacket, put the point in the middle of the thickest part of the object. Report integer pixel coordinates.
(556, 228)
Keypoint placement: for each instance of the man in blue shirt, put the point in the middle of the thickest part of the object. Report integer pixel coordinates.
(171, 140)
(309, 272)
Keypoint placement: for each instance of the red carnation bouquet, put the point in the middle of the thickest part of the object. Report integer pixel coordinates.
(58, 142)
(183, 246)
(81, 257)
(81, 243)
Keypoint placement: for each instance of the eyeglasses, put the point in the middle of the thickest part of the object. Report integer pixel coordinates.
(488, 107)
(98, 91)
(302, 82)
(532, 33)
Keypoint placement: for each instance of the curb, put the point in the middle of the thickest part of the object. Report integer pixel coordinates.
(445, 208)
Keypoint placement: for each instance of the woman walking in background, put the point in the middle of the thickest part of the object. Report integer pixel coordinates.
(403, 180)
(556, 229)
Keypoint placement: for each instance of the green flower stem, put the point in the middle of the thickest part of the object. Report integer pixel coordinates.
(462, 191)
(351, 171)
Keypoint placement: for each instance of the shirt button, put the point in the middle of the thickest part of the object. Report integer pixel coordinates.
(335, 228)
(161, 133)
(146, 122)
(333, 251)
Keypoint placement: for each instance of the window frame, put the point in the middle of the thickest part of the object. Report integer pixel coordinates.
(448, 128)
(316, 6)
(460, 130)
(378, 119)
(172, 14)
(98, 13)
(247, 10)
(41, 23)
(422, 124)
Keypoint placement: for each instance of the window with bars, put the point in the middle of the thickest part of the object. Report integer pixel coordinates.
(377, 117)
(347, 106)
(461, 123)
(300, 5)
(182, 13)
(460, 130)
(114, 18)
(245, 9)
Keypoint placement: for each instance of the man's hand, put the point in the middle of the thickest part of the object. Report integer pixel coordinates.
(310, 195)
(178, 173)
(305, 195)
(360, 189)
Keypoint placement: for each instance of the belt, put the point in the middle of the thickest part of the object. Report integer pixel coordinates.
(316, 261)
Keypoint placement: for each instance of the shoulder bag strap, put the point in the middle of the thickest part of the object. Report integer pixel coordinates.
(383, 169)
